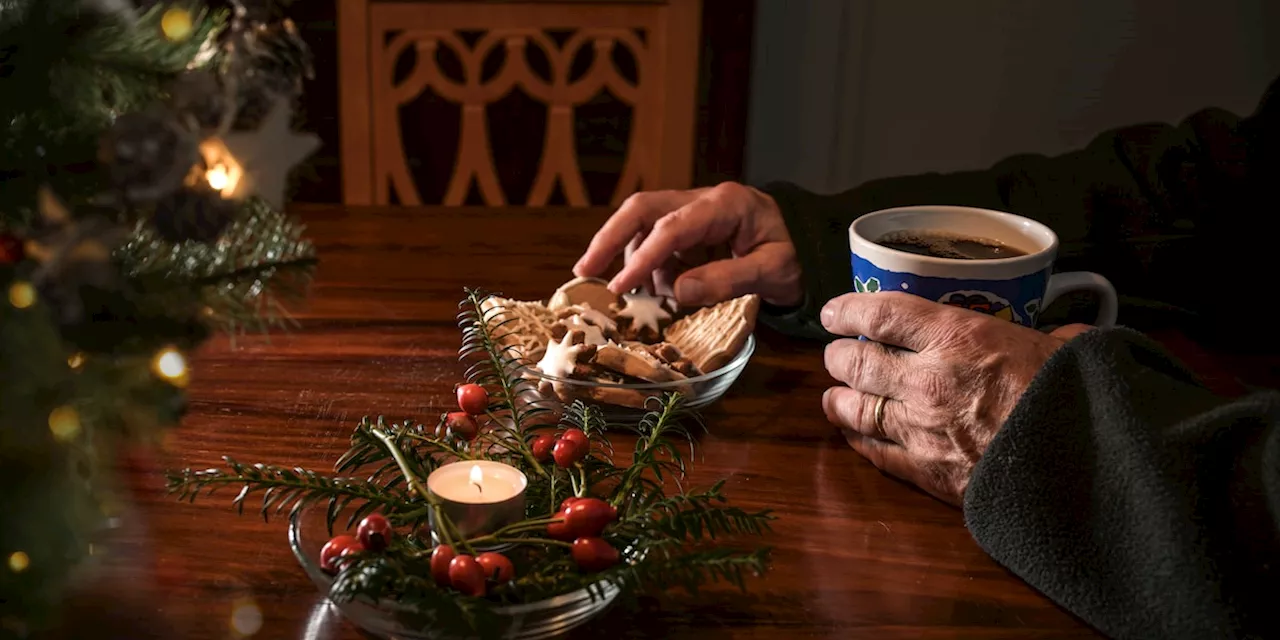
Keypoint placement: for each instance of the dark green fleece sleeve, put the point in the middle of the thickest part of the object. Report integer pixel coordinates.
(1184, 220)
(1134, 498)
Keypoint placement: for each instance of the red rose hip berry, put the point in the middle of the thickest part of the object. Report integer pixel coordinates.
(441, 556)
(473, 399)
(335, 549)
(541, 447)
(567, 452)
(496, 567)
(462, 425)
(375, 532)
(594, 554)
(467, 576)
(587, 517)
(577, 436)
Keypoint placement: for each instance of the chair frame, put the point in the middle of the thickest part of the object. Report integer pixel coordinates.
(663, 101)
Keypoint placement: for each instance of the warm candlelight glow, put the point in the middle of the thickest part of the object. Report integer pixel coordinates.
(477, 477)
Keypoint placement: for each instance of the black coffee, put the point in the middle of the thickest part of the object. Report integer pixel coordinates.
(941, 244)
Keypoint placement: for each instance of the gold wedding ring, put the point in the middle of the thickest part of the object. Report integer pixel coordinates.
(879, 413)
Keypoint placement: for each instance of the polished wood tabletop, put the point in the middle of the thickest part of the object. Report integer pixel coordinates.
(857, 554)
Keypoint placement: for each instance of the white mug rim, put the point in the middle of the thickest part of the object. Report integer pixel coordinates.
(1000, 268)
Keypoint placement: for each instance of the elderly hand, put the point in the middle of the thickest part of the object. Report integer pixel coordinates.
(657, 230)
(949, 387)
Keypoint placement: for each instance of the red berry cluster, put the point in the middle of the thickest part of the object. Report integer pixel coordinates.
(567, 448)
(473, 401)
(467, 574)
(582, 520)
(373, 534)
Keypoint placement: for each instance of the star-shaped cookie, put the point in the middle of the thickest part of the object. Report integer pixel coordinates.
(266, 156)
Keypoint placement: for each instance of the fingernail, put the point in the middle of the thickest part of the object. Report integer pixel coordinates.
(690, 290)
(824, 396)
(828, 315)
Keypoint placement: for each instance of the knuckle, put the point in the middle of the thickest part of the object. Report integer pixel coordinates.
(638, 200)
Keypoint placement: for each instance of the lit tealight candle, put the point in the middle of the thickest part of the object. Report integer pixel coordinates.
(479, 496)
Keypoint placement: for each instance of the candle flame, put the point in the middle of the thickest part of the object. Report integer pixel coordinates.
(477, 476)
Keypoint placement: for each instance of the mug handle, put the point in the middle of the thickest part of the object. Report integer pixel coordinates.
(1060, 283)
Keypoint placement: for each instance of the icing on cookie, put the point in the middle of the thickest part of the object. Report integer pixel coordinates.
(560, 357)
(598, 318)
(644, 310)
(594, 334)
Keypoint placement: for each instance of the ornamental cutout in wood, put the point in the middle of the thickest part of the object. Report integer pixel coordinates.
(402, 44)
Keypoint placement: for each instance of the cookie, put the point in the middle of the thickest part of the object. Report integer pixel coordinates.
(670, 355)
(635, 363)
(641, 317)
(524, 328)
(578, 291)
(711, 337)
(599, 328)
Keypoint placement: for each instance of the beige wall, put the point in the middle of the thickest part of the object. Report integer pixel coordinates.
(850, 90)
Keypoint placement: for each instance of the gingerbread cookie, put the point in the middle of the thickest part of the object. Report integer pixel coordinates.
(598, 327)
(579, 291)
(641, 316)
(711, 337)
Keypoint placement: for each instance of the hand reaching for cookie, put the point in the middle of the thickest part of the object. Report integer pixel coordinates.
(657, 229)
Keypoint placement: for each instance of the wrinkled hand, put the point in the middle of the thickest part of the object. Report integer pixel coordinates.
(660, 230)
(950, 387)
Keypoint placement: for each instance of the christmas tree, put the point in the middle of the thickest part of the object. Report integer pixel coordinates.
(143, 163)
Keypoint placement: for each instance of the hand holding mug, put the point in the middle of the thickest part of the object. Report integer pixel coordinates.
(660, 230)
(925, 412)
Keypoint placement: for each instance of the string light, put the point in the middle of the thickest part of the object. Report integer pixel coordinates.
(76, 360)
(176, 24)
(22, 295)
(64, 422)
(223, 173)
(169, 364)
(19, 561)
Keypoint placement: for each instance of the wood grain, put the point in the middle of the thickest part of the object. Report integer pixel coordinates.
(857, 554)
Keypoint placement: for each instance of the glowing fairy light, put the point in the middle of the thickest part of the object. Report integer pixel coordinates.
(19, 561)
(64, 422)
(22, 295)
(176, 24)
(170, 365)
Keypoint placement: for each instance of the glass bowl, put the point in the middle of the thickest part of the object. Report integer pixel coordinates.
(629, 400)
(549, 618)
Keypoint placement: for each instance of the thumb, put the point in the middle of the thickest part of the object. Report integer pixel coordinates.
(719, 281)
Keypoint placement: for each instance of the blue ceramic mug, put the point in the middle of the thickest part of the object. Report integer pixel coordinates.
(1014, 288)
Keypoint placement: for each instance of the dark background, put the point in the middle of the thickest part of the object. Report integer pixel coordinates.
(727, 27)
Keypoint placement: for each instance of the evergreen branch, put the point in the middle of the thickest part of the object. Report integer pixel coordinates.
(283, 487)
(375, 577)
(240, 282)
(497, 370)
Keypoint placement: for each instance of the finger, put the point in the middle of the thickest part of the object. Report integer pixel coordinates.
(869, 367)
(892, 317)
(636, 215)
(699, 222)
(1070, 331)
(726, 279)
(886, 456)
(853, 409)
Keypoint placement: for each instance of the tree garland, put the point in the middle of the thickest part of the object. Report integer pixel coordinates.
(589, 521)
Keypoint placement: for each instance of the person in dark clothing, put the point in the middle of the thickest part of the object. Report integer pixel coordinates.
(1087, 461)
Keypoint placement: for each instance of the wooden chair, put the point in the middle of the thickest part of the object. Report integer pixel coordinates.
(661, 35)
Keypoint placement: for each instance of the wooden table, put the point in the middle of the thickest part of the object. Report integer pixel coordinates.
(857, 553)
